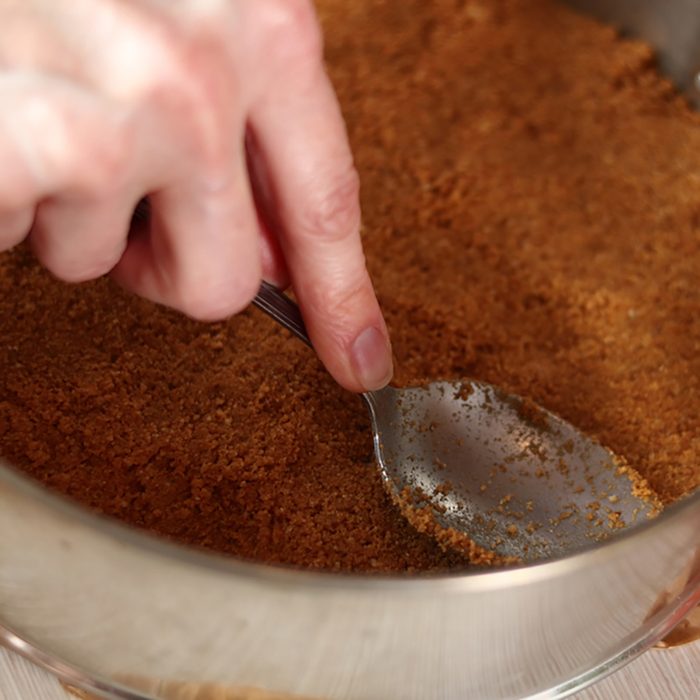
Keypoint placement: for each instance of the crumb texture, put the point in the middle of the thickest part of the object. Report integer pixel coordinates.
(531, 203)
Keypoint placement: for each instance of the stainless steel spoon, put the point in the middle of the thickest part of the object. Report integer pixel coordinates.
(671, 27)
(480, 469)
(486, 472)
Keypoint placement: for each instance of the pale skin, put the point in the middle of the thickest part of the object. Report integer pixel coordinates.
(220, 111)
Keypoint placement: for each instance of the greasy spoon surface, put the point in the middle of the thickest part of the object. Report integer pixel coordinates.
(531, 198)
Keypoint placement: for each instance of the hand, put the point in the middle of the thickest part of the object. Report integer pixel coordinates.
(221, 112)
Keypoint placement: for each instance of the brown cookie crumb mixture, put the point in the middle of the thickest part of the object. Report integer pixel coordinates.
(226, 436)
(531, 194)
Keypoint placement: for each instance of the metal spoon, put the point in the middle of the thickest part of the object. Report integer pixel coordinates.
(486, 472)
(671, 27)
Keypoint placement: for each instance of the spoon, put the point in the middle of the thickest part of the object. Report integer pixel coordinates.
(487, 473)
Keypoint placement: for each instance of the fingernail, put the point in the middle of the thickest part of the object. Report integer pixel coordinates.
(371, 359)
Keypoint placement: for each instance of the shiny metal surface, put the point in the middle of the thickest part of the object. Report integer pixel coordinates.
(517, 480)
(113, 604)
(112, 609)
(672, 27)
(513, 478)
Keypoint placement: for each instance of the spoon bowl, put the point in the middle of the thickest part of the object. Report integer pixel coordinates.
(487, 473)
(465, 458)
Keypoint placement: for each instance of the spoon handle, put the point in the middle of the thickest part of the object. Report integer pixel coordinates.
(282, 309)
(269, 299)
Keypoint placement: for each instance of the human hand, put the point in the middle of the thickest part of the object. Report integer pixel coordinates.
(221, 112)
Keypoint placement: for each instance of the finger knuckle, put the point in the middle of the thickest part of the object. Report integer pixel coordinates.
(217, 300)
(187, 75)
(143, 39)
(78, 269)
(107, 170)
(334, 214)
(14, 227)
(200, 81)
(84, 273)
(339, 301)
(84, 257)
(291, 30)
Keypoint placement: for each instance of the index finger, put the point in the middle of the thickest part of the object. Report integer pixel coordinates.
(299, 129)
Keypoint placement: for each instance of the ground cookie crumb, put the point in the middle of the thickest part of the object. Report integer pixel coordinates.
(531, 207)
